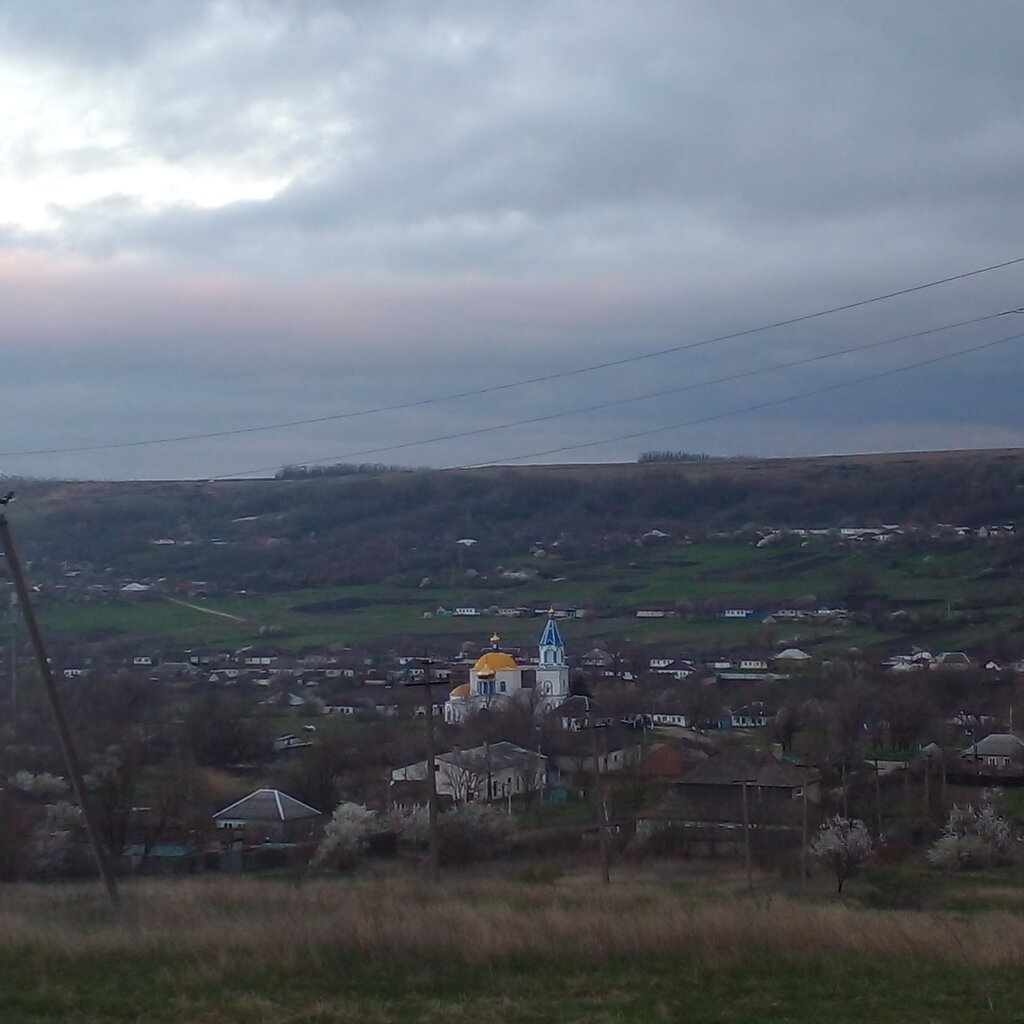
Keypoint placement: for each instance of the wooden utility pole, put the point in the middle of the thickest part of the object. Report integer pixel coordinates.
(63, 731)
(433, 844)
(13, 614)
(803, 838)
(600, 806)
(878, 804)
(746, 837)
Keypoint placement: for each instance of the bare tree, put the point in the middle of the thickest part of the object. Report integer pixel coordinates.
(463, 779)
(788, 721)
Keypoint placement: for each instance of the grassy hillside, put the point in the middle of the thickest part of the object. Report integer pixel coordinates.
(357, 558)
(361, 529)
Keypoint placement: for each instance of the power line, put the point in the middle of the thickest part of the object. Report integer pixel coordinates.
(750, 408)
(493, 388)
(694, 386)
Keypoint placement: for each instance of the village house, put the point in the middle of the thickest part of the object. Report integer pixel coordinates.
(792, 658)
(575, 713)
(293, 741)
(573, 753)
(736, 613)
(997, 750)
(597, 659)
(675, 717)
(752, 716)
(714, 788)
(268, 815)
(491, 771)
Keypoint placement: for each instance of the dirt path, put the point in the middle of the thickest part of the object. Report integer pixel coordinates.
(207, 611)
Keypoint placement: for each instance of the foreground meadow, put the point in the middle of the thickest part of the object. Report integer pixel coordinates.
(215, 950)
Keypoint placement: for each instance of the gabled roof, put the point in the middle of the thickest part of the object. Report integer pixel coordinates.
(496, 757)
(996, 744)
(792, 654)
(580, 706)
(267, 805)
(551, 637)
(577, 704)
(756, 768)
(670, 760)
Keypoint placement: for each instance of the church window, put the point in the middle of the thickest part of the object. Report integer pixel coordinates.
(502, 686)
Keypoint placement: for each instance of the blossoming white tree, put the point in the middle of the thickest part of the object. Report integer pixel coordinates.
(346, 837)
(843, 844)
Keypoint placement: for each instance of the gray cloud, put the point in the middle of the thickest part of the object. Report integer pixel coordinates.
(459, 195)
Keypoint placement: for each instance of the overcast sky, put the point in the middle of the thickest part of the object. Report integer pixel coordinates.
(216, 216)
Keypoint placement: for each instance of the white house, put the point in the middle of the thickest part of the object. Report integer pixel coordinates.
(670, 718)
(465, 775)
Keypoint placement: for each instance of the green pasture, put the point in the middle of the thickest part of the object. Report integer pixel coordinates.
(955, 599)
(37, 987)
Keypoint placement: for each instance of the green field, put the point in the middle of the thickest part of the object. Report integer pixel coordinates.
(953, 598)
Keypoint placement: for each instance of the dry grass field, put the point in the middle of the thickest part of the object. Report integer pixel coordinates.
(479, 923)
(214, 950)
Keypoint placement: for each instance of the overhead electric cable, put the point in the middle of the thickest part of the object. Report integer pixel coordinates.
(509, 385)
(693, 386)
(738, 412)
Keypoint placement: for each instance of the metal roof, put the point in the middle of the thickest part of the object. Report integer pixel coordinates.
(267, 805)
(551, 637)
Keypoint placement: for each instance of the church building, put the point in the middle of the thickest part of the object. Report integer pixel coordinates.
(496, 679)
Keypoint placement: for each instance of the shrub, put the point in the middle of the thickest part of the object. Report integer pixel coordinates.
(411, 826)
(50, 853)
(346, 837)
(973, 837)
(660, 839)
(42, 785)
(472, 832)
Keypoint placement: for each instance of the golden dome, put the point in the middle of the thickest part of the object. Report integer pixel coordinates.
(460, 691)
(494, 661)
